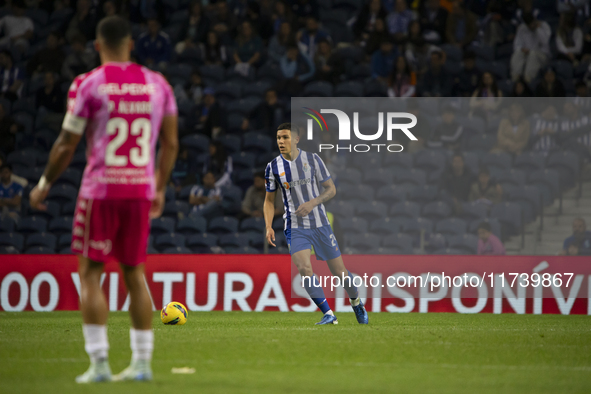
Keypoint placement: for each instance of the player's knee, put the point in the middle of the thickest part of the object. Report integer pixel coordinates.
(305, 270)
(89, 270)
(133, 276)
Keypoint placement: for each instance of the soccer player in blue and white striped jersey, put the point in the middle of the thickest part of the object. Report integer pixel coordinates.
(297, 175)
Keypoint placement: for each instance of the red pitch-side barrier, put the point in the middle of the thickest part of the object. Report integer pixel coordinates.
(270, 283)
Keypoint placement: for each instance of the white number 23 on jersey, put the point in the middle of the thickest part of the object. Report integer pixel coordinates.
(138, 156)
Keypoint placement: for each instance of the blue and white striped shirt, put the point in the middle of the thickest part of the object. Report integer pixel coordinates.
(299, 182)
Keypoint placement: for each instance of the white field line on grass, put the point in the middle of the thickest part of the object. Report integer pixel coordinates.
(194, 362)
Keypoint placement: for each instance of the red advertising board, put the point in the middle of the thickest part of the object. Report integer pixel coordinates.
(270, 283)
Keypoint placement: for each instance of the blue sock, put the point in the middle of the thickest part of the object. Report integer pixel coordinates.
(316, 294)
(350, 287)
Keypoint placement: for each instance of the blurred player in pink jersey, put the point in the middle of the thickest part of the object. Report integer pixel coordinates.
(124, 109)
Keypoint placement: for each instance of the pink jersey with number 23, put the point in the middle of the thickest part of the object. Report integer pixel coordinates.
(120, 106)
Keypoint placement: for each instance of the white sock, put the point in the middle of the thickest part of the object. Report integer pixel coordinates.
(329, 312)
(96, 342)
(142, 344)
(356, 301)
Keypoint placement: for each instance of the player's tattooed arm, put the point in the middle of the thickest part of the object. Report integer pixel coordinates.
(329, 192)
(61, 155)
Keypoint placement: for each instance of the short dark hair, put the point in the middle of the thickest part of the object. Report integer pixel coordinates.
(528, 17)
(113, 30)
(259, 174)
(6, 166)
(288, 126)
(484, 170)
(484, 226)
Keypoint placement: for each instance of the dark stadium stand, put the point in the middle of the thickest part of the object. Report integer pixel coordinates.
(408, 216)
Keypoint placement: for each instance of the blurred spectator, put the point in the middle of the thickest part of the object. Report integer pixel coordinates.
(484, 190)
(544, 129)
(530, 49)
(467, 81)
(214, 52)
(194, 30)
(12, 77)
(280, 41)
(270, 112)
(399, 19)
(49, 58)
(418, 51)
(304, 10)
(497, 25)
(219, 164)
(50, 96)
(521, 89)
(402, 81)
(525, 7)
(80, 60)
(329, 64)
(309, 37)
(296, 68)
(486, 98)
(153, 47)
(422, 130)
(194, 87)
(448, 133)
(17, 28)
(436, 82)
(260, 22)
(83, 22)
(8, 131)
(252, 205)
(569, 38)
(382, 60)
(210, 121)
(433, 21)
(574, 128)
(573, 249)
(206, 198)
(280, 15)
(248, 49)
(457, 181)
(11, 194)
(223, 21)
(109, 9)
(14, 178)
(461, 27)
(586, 41)
(514, 130)
(580, 237)
(365, 21)
(550, 86)
(377, 36)
(182, 174)
(488, 243)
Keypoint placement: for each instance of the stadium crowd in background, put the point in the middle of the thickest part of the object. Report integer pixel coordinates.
(235, 64)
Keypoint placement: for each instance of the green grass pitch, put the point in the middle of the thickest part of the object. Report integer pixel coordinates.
(274, 352)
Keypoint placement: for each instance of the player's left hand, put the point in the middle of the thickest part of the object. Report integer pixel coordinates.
(157, 205)
(304, 209)
(36, 198)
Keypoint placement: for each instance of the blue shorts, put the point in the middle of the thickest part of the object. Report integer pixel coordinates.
(322, 238)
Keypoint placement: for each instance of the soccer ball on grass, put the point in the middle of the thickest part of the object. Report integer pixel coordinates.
(174, 314)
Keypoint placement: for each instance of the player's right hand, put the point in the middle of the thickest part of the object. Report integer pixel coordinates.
(157, 205)
(36, 198)
(271, 236)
